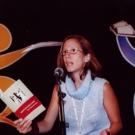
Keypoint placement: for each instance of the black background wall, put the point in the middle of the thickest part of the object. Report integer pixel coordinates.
(32, 21)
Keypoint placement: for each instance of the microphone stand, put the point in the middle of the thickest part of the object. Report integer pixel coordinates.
(61, 105)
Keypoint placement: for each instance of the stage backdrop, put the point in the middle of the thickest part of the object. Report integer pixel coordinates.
(31, 22)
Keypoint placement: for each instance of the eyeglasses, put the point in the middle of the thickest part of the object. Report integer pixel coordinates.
(71, 51)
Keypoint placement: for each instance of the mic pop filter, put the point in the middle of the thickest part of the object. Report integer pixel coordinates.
(59, 73)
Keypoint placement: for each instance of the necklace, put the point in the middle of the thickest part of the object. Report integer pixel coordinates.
(79, 119)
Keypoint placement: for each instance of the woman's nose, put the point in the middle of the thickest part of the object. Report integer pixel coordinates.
(67, 54)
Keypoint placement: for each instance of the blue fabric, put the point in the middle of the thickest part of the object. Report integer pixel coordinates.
(82, 91)
(95, 118)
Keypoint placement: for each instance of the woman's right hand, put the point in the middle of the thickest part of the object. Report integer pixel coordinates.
(23, 125)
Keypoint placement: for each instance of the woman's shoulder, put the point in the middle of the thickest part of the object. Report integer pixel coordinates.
(99, 82)
(100, 79)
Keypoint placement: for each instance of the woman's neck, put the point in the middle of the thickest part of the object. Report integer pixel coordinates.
(76, 79)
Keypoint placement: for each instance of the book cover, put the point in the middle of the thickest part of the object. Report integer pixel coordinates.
(22, 101)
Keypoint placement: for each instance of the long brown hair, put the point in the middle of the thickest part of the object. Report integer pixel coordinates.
(86, 46)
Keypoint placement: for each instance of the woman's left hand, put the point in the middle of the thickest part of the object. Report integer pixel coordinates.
(105, 132)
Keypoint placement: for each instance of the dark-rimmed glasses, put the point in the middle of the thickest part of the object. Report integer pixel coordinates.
(71, 51)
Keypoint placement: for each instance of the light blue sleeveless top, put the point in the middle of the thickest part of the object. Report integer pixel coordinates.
(84, 110)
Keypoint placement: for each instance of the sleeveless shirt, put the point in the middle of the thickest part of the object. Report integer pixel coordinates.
(83, 108)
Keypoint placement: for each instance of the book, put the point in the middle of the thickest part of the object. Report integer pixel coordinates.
(22, 102)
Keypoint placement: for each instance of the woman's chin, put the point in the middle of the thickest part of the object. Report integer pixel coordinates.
(69, 70)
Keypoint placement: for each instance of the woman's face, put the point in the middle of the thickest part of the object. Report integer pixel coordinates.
(73, 56)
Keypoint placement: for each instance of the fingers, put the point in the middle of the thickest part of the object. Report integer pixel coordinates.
(108, 131)
(23, 126)
(105, 132)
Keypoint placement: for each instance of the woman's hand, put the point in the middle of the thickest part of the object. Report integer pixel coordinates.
(23, 126)
(105, 132)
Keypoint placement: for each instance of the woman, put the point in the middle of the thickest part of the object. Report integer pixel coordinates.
(90, 104)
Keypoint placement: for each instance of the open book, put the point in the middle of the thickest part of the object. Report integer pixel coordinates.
(21, 101)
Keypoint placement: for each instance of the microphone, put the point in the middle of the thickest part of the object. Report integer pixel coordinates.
(59, 73)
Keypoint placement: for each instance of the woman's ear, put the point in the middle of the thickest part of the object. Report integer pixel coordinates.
(87, 58)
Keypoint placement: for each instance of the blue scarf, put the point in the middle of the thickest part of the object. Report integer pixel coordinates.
(82, 91)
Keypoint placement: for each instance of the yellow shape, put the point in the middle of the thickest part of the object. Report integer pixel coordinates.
(5, 38)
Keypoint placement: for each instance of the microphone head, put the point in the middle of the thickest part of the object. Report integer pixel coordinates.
(59, 73)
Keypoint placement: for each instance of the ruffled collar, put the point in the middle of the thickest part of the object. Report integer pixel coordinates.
(82, 91)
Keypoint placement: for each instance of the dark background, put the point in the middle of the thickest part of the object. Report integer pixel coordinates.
(32, 21)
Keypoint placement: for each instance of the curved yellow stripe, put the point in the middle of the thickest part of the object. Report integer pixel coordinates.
(5, 38)
(11, 57)
(7, 120)
(5, 82)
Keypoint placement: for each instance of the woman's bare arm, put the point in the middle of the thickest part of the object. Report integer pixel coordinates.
(112, 108)
(47, 123)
